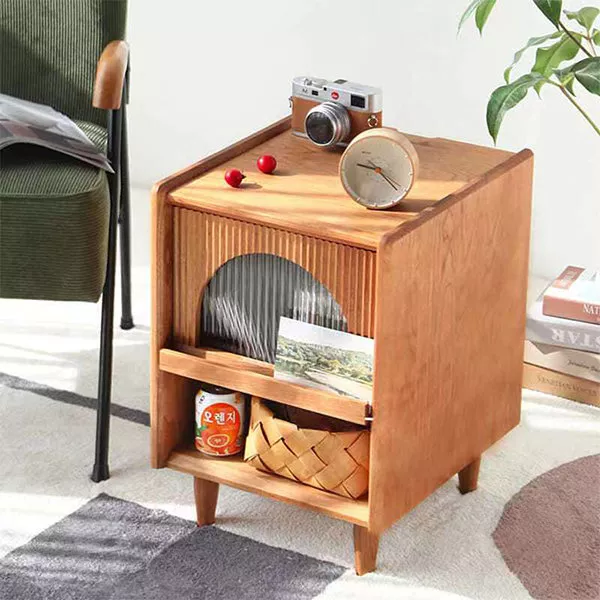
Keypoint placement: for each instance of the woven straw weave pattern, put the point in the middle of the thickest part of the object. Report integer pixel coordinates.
(335, 462)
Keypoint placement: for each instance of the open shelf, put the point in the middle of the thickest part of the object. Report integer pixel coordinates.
(233, 471)
(245, 375)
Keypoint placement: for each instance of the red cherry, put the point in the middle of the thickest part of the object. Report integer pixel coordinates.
(234, 177)
(266, 163)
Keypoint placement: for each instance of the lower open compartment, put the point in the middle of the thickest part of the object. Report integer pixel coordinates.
(233, 471)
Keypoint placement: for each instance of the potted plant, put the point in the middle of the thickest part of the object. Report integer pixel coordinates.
(566, 59)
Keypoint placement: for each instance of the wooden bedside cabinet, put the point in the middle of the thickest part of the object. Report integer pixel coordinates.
(439, 283)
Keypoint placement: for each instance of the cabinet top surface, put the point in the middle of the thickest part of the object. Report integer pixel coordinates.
(305, 194)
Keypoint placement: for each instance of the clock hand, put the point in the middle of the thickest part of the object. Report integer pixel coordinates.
(394, 181)
(379, 171)
(366, 167)
(388, 180)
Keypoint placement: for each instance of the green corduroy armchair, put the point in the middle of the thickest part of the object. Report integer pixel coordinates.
(59, 217)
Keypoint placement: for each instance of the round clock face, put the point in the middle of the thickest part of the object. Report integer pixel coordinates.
(378, 168)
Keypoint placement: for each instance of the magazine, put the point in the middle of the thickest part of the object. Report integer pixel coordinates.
(24, 122)
(324, 358)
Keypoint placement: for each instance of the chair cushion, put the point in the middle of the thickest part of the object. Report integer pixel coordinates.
(54, 213)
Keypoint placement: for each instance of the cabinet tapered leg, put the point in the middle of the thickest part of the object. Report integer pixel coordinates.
(206, 494)
(467, 477)
(366, 545)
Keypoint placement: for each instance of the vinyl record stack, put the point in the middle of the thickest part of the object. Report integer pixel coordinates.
(562, 349)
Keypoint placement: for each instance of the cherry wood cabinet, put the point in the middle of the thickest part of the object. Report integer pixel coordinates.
(439, 282)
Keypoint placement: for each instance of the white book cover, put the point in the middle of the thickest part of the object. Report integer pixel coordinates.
(585, 365)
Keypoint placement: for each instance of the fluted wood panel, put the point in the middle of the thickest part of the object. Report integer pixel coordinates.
(246, 297)
(204, 242)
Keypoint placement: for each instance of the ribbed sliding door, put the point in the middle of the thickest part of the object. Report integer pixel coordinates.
(233, 280)
(246, 297)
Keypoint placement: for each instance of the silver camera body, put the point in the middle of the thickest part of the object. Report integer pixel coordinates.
(331, 113)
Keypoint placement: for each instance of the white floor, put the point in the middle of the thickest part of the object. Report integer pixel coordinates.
(442, 549)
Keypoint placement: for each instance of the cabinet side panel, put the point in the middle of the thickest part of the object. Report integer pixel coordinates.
(171, 399)
(449, 330)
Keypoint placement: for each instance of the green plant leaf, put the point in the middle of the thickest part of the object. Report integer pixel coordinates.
(551, 9)
(596, 36)
(569, 85)
(483, 12)
(550, 58)
(534, 41)
(567, 79)
(584, 16)
(506, 97)
(468, 12)
(587, 73)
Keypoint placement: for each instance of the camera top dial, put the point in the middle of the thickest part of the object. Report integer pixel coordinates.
(379, 167)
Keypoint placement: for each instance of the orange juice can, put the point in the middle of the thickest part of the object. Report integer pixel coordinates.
(220, 419)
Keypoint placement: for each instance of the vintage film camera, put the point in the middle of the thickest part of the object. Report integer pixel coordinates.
(331, 113)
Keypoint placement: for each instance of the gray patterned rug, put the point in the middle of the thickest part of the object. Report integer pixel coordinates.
(111, 549)
(63, 537)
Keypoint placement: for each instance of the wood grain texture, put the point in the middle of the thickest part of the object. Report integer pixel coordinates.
(366, 545)
(169, 418)
(204, 242)
(449, 337)
(206, 494)
(305, 194)
(110, 76)
(171, 396)
(236, 473)
(263, 386)
(469, 476)
(228, 359)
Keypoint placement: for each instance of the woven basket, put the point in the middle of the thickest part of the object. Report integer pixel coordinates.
(335, 462)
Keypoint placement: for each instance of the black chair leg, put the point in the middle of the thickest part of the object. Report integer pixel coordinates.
(125, 229)
(100, 471)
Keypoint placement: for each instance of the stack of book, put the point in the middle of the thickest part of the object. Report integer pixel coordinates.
(562, 350)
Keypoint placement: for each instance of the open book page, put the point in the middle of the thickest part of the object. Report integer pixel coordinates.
(24, 122)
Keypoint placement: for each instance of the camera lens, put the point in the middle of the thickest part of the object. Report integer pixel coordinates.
(319, 128)
(327, 124)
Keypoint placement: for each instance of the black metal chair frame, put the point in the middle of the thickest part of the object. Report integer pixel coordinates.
(120, 218)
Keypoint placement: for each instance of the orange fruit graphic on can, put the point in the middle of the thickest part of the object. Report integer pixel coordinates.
(220, 418)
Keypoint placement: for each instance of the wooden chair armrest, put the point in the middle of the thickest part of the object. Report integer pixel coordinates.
(110, 76)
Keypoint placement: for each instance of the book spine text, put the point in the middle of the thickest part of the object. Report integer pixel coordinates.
(589, 312)
(559, 384)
